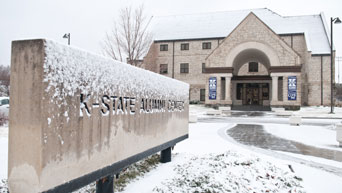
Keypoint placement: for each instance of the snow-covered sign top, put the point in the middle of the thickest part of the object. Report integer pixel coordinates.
(82, 115)
(80, 71)
(221, 24)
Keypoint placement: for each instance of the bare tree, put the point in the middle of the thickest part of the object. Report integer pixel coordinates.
(129, 39)
(4, 80)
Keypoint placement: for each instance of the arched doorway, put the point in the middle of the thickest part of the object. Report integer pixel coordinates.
(251, 81)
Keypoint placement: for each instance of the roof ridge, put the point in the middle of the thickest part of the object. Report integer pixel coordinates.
(301, 15)
(213, 12)
(273, 12)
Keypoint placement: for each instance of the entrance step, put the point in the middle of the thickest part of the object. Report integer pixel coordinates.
(251, 108)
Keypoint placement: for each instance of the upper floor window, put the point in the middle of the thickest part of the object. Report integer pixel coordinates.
(206, 45)
(184, 68)
(163, 47)
(163, 69)
(203, 67)
(185, 46)
(253, 67)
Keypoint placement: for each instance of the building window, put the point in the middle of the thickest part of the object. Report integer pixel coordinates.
(253, 67)
(239, 88)
(185, 46)
(203, 67)
(163, 68)
(184, 68)
(206, 45)
(202, 94)
(163, 47)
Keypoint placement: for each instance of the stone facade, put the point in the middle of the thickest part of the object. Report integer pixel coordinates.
(243, 71)
(252, 33)
(278, 56)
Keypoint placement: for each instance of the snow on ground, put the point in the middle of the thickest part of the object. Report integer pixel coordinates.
(199, 110)
(3, 151)
(319, 112)
(206, 161)
(202, 139)
(314, 159)
(200, 153)
(200, 142)
(230, 172)
(318, 181)
(310, 135)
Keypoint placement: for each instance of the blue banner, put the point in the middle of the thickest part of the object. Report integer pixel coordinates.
(292, 88)
(212, 88)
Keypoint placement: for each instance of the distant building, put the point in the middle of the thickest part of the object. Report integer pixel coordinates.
(245, 58)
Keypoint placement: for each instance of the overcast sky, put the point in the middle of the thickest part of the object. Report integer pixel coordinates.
(88, 20)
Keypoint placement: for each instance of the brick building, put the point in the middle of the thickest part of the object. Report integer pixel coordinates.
(245, 58)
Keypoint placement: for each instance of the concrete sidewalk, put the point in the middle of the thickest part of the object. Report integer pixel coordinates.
(311, 113)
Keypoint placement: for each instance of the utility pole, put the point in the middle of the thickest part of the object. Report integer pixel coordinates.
(332, 75)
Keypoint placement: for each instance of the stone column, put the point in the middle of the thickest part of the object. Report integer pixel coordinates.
(274, 89)
(228, 90)
(218, 88)
(261, 101)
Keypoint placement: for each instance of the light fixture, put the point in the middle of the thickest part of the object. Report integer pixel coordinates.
(67, 35)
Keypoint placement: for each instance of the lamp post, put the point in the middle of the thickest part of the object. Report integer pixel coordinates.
(67, 36)
(332, 21)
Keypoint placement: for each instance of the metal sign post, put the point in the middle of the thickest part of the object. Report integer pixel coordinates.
(105, 185)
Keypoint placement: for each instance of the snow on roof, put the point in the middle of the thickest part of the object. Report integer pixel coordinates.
(221, 24)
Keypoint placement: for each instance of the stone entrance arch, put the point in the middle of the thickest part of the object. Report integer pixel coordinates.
(251, 55)
(251, 88)
(253, 41)
(265, 53)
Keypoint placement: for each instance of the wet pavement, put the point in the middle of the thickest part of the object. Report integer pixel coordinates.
(255, 135)
(246, 113)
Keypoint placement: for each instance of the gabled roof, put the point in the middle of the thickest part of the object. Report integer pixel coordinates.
(221, 24)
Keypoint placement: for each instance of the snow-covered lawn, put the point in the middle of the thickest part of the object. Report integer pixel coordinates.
(310, 135)
(319, 112)
(3, 151)
(207, 160)
(328, 162)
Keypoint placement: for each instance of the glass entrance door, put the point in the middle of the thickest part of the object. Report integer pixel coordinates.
(252, 94)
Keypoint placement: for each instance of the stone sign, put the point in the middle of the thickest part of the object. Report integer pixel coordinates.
(76, 117)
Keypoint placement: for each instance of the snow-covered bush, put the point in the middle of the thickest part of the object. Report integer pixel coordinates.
(3, 186)
(3, 119)
(230, 172)
(4, 80)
